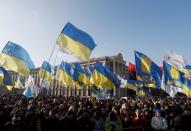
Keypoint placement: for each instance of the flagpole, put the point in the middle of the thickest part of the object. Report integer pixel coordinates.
(46, 66)
(54, 64)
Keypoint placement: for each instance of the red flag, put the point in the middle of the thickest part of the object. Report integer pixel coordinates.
(161, 68)
(131, 67)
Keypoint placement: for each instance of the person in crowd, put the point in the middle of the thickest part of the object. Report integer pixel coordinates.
(84, 122)
(186, 119)
(98, 121)
(47, 113)
(16, 124)
(113, 122)
(146, 120)
(158, 122)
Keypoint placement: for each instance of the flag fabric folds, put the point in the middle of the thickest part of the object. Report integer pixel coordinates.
(98, 93)
(174, 59)
(140, 87)
(5, 78)
(147, 70)
(172, 76)
(170, 89)
(130, 84)
(131, 67)
(28, 92)
(186, 88)
(179, 62)
(47, 71)
(65, 74)
(188, 67)
(33, 90)
(16, 58)
(89, 70)
(20, 84)
(143, 91)
(187, 71)
(101, 78)
(81, 75)
(131, 71)
(76, 41)
(113, 77)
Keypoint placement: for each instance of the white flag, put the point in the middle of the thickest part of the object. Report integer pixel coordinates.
(123, 82)
(28, 92)
(30, 83)
(176, 60)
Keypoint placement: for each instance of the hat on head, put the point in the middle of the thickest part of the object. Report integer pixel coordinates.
(157, 111)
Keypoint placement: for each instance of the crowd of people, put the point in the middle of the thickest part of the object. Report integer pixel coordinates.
(18, 113)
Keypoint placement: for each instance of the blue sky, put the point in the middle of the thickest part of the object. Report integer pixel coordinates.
(150, 26)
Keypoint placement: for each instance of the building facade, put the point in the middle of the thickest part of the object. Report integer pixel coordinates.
(116, 63)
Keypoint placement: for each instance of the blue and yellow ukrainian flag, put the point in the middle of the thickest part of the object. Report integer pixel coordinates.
(94, 91)
(186, 87)
(28, 92)
(100, 78)
(81, 75)
(172, 76)
(143, 91)
(47, 71)
(98, 93)
(89, 70)
(64, 74)
(131, 84)
(5, 78)
(113, 76)
(187, 71)
(16, 58)
(140, 87)
(76, 41)
(188, 67)
(147, 70)
(78, 84)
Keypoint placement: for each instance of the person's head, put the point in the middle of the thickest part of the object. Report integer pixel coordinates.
(158, 112)
(171, 114)
(137, 112)
(39, 103)
(146, 113)
(103, 110)
(125, 111)
(114, 110)
(16, 119)
(51, 114)
(187, 111)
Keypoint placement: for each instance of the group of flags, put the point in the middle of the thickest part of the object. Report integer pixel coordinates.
(73, 40)
(72, 75)
(173, 77)
(16, 58)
